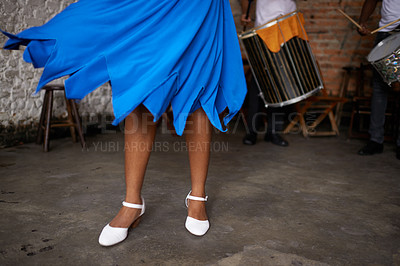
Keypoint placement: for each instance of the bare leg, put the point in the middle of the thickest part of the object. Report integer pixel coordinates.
(139, 137)
(198, 136)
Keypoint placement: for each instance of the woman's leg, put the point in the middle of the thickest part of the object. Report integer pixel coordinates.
(139, 137)
(198, 137)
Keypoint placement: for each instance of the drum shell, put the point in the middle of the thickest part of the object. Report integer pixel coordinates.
(388, 65)
(284, 77)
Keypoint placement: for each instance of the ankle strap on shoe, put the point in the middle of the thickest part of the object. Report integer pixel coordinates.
(194, 198)
(197, 198)
(132, 205)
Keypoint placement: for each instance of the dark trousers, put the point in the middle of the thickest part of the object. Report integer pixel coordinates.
(379, 102)
(255, 115)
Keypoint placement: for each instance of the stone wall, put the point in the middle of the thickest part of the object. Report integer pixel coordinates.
(19, 109)
(334, 40)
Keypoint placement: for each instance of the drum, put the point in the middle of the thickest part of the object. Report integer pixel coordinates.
(281, 60)
(385, 57)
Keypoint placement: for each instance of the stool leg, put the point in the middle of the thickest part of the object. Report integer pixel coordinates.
(49, 107)
(303, 125)
(78, 123)
(291, 124)
(342, 93)
(39, 137)
(70, 120)
(333, 123)
(353, 113)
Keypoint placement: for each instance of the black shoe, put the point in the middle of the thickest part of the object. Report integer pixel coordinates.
(371, 148)
(276, 139)
(398, 152)
(250, 139)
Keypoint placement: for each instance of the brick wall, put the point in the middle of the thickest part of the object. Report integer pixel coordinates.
(334, 40)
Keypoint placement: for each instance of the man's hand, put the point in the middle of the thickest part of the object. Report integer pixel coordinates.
(363, 31)
(245, 21)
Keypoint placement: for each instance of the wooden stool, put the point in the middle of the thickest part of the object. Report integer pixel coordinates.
(73, 120)
(323, 105)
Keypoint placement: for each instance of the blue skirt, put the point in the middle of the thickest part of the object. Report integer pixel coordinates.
(183, 53)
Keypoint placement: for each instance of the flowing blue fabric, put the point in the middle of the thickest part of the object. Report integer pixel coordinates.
(153, 52)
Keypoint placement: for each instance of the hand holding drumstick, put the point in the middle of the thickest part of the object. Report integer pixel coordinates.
(362, 29)
(245, 19)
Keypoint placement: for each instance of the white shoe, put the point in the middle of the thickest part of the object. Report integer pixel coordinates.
(113, 235)
(194, 226)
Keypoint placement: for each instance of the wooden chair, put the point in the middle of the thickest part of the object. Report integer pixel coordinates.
(349, 73)
(45, 123)
(320, 106)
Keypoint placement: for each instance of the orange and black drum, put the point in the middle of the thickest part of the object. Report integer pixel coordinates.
(281, 60)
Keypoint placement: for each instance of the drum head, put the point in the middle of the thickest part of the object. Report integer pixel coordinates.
(384, 48)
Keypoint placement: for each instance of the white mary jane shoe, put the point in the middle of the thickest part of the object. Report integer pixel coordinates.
(113, 235)
(194, 226)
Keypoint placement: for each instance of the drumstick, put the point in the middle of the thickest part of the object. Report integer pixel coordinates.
(387, 25)
(247, 13)
(349, 18)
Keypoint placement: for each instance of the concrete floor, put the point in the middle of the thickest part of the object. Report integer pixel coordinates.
(315, 202)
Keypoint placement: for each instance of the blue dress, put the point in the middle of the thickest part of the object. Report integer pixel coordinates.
(153, 52)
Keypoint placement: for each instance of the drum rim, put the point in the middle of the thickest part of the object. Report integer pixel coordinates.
(247, 34)
(295, 100)
(252, 32)
(379, 45)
